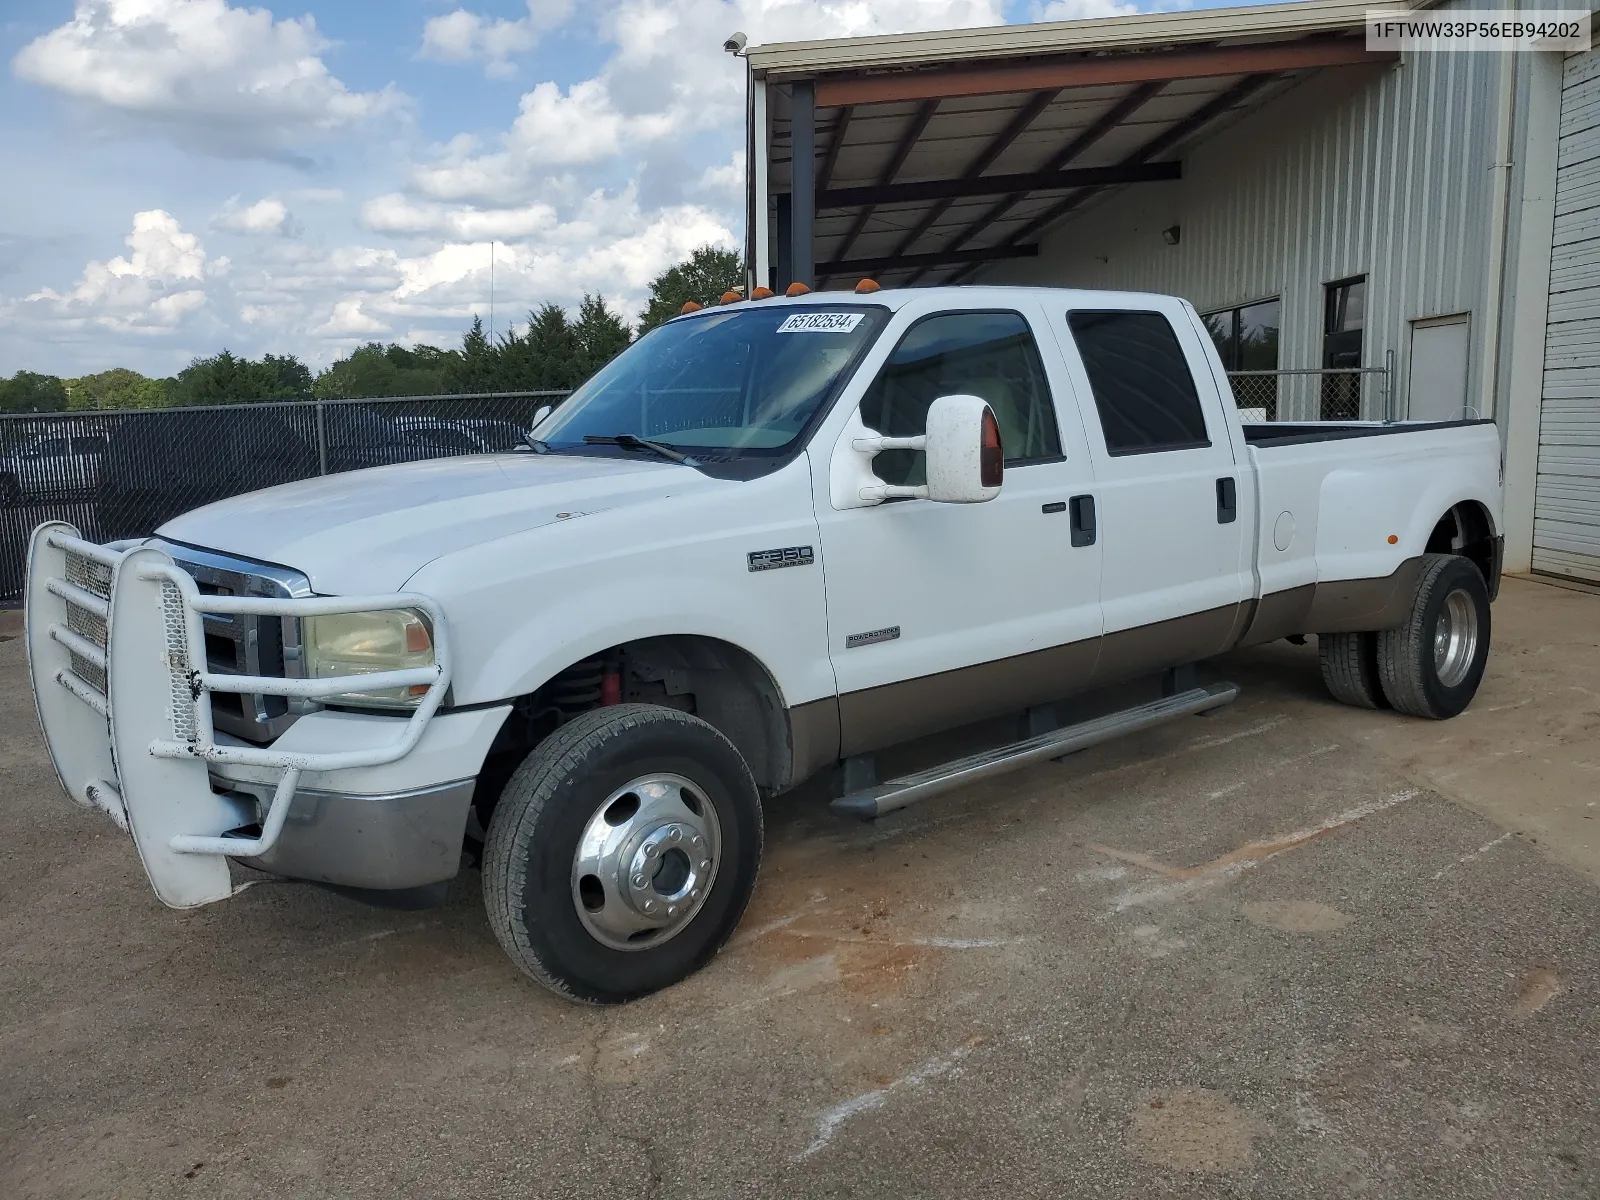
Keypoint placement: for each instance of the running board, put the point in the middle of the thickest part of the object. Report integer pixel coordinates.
(908, 789)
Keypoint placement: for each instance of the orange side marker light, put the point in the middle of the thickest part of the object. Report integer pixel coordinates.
(1394, 539)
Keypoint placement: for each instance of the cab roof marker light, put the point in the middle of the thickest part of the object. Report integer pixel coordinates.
(796, 289)
(867, 286)
(690, 306)
(731, 297)
(761, 293)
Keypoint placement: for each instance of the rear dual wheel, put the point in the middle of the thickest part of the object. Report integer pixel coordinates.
(1432, 664)
(622, 853)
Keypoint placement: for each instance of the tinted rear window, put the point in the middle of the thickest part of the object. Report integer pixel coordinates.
(1141, 382)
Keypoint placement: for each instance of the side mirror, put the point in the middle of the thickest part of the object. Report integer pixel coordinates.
(543, 411)
(966, 461)
(964, 455)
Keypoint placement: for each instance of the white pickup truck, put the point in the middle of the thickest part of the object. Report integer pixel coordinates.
(766, 541)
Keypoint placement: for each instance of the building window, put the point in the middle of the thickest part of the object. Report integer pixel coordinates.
(1247, 340)
(1142, 387)
(1344, 318)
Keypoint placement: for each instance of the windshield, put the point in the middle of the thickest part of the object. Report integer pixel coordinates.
(744, 381)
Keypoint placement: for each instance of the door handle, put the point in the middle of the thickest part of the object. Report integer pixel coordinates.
(1227, 500)
(1080, 514)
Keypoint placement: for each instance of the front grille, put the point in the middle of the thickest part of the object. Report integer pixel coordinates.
(92, 576)
(246, 644)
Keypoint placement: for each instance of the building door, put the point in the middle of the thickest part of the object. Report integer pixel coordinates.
(1438, 387)
(1344, 318)
(1566, 513)
(941, 614)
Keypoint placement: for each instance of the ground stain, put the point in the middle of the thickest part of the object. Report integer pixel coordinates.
(1194, 1129)
(1539, 985)
(1295, 916)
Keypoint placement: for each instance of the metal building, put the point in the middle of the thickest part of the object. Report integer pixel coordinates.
(1368, 234)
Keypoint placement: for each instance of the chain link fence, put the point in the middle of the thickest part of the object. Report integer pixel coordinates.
(1325, 394)
(122, 474)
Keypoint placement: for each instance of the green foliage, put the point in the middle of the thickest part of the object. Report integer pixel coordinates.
(118, 388)
(708, 273)
(393, 370)
(552, 351)
(226, 378)
(27, 392)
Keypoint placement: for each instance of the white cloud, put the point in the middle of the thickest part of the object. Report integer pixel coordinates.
(667, 79)
(227, 81)
(268, 216)
(1078, 10)
(347, 320)
(463, 36)
(151, 290)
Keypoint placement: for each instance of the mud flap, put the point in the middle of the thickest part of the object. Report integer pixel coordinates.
(148, 681)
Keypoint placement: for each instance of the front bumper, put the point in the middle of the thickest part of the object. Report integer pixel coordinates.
(383, 842)
(116, 651)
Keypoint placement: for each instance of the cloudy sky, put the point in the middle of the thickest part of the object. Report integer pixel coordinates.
(184, 175)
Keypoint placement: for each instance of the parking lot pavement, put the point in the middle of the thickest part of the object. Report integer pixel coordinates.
(1290, 950)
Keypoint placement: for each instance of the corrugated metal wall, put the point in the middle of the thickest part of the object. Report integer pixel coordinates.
(1382, 172)
(1566, 514)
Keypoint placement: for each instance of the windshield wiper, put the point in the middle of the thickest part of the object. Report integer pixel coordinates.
(537, 445)
(632, 441)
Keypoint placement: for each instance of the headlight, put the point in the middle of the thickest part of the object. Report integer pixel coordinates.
(361, 643)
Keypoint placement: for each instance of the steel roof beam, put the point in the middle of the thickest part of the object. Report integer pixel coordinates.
(902, 151)
(944, 258)
(1095, 71)
(997, 185)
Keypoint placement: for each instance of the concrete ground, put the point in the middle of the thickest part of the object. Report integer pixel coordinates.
(1292, 950)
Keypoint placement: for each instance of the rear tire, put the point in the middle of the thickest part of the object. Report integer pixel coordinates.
(1431, 666)
(622, 853)
(1350, 668)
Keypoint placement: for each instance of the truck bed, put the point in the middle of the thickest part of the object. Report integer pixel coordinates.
(1293, 433)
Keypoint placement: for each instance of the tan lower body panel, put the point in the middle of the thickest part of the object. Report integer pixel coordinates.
(873, 718)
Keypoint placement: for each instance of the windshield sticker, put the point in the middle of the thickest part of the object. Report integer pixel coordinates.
(820, 322)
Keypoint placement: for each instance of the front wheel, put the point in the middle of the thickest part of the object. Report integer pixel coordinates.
(622, 853)
(1431, 666)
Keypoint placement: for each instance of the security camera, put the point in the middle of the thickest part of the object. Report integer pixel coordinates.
(735, 43)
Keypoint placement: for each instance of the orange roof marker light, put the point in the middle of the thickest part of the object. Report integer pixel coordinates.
(867, 286)
(796, 289)
(689, 306)
(731, 297)
(761, 293)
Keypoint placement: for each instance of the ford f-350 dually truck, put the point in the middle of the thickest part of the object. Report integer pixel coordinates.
(768, 539)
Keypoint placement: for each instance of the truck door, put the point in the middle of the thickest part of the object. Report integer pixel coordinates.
(940, 614)
(1174, 576)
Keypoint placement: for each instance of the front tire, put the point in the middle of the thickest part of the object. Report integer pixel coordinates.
(622, 853)
(1431, 666)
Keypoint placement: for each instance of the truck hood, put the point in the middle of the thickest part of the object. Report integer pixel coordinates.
(371, 530)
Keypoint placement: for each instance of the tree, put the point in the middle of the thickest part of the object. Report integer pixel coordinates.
(226, 378)
(477, 369)
(703, 278)
(599, 336)
(118, 388)
(26, 392)
(379, 370)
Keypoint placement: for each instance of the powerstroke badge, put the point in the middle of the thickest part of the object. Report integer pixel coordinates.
(788, 556)
(875, 636)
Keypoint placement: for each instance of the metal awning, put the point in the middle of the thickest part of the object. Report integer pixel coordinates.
(920, 157)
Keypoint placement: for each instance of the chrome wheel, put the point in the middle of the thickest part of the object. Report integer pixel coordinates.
(1455, 638)
(646, 861)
